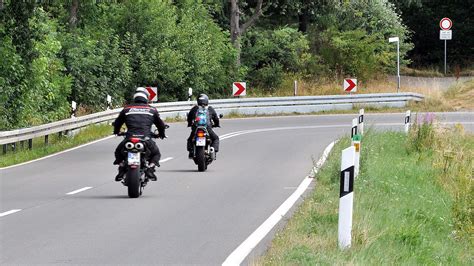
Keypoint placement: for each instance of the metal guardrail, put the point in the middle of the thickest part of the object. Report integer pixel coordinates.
(300, 104)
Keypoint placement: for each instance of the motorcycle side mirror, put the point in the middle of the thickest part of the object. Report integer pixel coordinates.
(221, 115)
(167, 126)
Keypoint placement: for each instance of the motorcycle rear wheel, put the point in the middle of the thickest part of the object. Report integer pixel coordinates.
(201, 159)
(133, 183)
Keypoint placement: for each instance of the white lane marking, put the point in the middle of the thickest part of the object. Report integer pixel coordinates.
(78, 190)
(166, 159)
(9, 212)
(244, 249)
(58, 153)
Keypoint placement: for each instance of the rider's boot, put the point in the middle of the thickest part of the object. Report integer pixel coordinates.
(191, 155)
(150, 172)
(121, 172)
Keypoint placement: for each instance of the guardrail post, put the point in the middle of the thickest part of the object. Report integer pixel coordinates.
(346, 197)
(5, 148)
(13, 147)
(407, 121)
(60, 135)
(46, 139)
(361, 121)
(30, 144)
(354, 127)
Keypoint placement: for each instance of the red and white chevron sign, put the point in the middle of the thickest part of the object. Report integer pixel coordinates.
(350, 85)
(153, 91)
(239, 89)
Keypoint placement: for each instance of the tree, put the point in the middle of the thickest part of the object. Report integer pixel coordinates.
(236, 30)
(73, 13)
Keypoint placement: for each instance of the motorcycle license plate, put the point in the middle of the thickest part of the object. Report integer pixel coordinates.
(133, 158)
(200, 141)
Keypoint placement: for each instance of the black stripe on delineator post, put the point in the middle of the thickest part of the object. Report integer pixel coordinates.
(407, 119)
(347, 182)
(361, 118)
(353, 131)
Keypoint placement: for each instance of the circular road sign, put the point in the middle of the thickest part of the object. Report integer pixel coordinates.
(445, 24)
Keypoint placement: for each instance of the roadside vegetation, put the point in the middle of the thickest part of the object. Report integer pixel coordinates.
(55, 52)
(413, 204)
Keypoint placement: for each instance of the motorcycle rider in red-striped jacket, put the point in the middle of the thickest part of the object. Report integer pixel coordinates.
(139, 118)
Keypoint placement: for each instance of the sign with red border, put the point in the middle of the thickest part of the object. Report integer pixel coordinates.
(445, 24)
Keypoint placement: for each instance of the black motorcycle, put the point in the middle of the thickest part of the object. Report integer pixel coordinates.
(136, 164)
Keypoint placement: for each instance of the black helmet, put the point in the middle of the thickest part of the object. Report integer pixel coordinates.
(203, 100)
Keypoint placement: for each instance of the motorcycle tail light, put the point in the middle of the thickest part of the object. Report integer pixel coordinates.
(134, 140)
(129, 145)
(139, 146)
(200, 133)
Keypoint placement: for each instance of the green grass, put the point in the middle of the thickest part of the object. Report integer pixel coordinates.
(56, 144)
(408, 208)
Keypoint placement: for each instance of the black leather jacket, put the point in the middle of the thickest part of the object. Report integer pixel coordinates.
(139, 117)
(212, 117)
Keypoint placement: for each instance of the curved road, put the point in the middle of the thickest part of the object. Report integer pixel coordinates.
(186, 217)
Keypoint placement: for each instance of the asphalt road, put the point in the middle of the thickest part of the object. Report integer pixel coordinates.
(186, 217)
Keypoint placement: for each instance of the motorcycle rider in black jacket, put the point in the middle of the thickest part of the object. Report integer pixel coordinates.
(139, 117)
(203, 100)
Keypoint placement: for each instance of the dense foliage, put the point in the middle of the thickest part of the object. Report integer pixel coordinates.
(54, 52)
(423, 16)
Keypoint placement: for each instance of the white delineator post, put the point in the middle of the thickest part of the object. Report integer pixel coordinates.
(295, 87)
(73, 107)
(361, 121)
(346, 198)
(354, 127)
(190, 93)
(109, 101)
(407, 121)
(356, 143)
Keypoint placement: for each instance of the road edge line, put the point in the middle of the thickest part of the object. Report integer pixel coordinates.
(246, 247)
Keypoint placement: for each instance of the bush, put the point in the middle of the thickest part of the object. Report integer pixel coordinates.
(270, 53)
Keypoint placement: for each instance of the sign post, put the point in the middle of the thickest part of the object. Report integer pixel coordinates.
(397, 40)
(445, 34)
(346, 198)
(295, 87)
